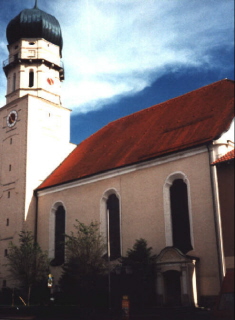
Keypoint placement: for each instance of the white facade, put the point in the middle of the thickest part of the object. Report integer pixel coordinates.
(35, 134)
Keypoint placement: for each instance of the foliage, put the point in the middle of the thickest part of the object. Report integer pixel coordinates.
(86, 246)
(85, 264)
(140, 255)
(141, 282)
(27, 264)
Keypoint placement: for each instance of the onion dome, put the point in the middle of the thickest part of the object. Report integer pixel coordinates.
(34, 23)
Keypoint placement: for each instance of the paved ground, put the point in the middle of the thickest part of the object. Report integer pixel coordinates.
(70, 313)
(154, 314)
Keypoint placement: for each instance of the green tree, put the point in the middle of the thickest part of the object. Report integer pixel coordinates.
(85, 264)
(140, 255)
(141, 261)
(28, 264)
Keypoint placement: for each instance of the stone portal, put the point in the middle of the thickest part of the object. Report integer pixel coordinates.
(176, 278)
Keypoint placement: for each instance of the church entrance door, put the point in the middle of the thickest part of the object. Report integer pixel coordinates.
(172, 288)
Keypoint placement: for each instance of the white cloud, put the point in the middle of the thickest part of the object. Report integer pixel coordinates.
(118, 47)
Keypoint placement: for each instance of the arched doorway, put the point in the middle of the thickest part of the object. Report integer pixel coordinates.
(176, 278)
(172, 288)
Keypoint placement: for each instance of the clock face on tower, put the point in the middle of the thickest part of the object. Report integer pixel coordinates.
(12, 118)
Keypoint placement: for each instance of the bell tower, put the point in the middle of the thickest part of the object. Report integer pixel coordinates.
(35, 127)
(35, 48)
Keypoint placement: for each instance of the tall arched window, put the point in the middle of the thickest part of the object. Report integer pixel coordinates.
(57, 240)
(177, 212)
(180, 216)
(113, 227)
(31, 78)
(111, 223)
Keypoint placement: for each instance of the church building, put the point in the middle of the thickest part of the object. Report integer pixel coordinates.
(152, 174)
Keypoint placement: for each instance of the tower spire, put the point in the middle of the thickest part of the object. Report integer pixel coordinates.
(36, 4)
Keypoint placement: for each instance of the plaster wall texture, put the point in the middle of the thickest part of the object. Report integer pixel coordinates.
(142, 211)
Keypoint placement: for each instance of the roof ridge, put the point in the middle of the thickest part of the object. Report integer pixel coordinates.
(163, 102)
(143, 136)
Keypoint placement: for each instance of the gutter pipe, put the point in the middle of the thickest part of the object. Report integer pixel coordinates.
(217, 212)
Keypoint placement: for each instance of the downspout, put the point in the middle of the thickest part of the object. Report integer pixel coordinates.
(217, 213)
(36, 218)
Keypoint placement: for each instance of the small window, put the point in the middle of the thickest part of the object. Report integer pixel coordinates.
(31, 78)
(11, 141)
(8, 222)
(9, 194)
(9, 167)
(14, 82)
(5, 253)
(31, 43)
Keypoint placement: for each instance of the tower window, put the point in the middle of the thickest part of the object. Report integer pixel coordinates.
(9, 167)
(11, 141)
(14, 82)
(9, 194)
(5, 253)
(31, 78)
(180, 216)
(8, 222)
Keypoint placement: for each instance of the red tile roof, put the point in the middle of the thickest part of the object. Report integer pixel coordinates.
(192, 119)
(227, 157)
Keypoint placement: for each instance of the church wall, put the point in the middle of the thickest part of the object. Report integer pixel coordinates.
(142, 210)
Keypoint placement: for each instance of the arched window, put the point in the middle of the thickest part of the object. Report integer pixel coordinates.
(177, 212)
(113, 229)
(180, 216)
(31, 78)
(110, 223)
(57, 235)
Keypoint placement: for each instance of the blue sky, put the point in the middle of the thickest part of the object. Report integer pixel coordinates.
(122, 56)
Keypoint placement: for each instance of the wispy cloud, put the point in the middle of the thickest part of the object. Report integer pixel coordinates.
(114, 48)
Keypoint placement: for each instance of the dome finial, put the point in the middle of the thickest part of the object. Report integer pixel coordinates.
(36, 4)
